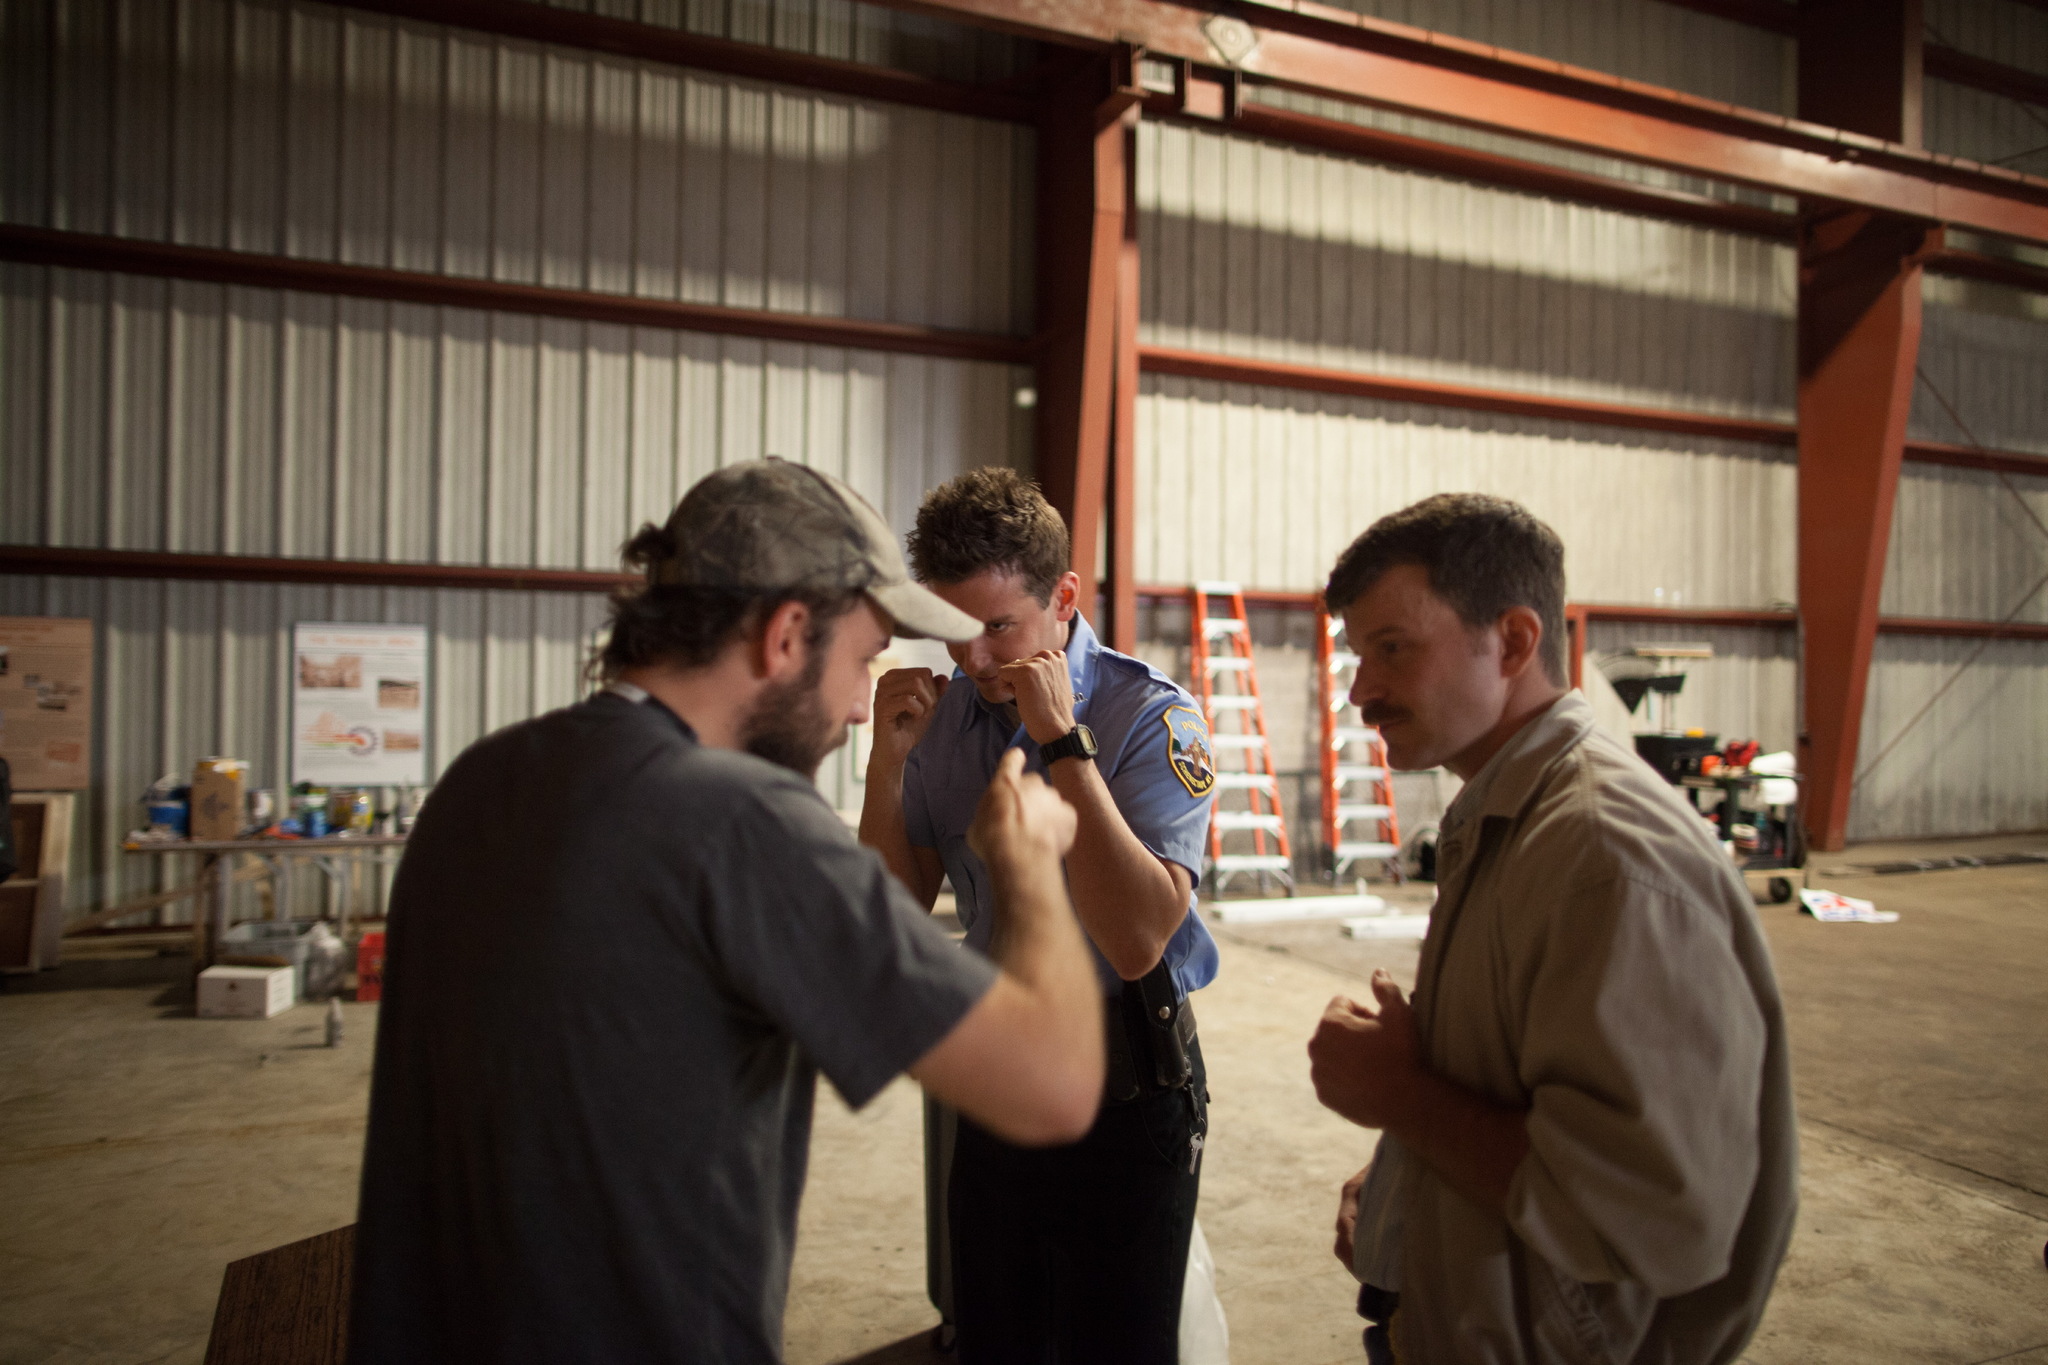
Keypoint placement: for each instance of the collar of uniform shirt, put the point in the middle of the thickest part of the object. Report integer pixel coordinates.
(1507, 781)
(1082, 647)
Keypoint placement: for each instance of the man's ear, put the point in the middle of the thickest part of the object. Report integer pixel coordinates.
(1066, 596)
(780, 647)
(1521, 641)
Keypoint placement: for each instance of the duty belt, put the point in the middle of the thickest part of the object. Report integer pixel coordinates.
(1150, 1031)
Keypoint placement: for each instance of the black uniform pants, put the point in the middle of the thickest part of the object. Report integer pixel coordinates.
(1074, 1255)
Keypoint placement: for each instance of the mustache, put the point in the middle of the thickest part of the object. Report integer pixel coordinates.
(1381, 714)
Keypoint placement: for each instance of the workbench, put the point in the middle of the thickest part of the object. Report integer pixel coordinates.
(339, 856)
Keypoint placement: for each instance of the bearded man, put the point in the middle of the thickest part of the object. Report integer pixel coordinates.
(627, 935)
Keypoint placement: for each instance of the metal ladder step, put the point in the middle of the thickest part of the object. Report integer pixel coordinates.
(1229, 820)
(1237, 741)
(1359, 772)
(1348, 853)
(1233, 703)
(1244, 782)
(1354, 734)
(1362, 812)
(1227, 664)
(1222, 625)
(1217, 587)
(1251, 862)
(1340, 662)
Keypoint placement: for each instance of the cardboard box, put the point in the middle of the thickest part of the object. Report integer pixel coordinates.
(217, 802)
(246, 992)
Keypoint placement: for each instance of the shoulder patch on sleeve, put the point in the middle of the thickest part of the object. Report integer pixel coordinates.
(1187, 748)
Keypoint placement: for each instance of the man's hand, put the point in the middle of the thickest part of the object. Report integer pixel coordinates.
(1020, 817)
(1045, 694)
(1366, 1062)
(905, 699)
(1347, 1216)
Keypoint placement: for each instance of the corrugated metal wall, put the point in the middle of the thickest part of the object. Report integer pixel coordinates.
(161, 415)
(1974, 761)
(150, 414)
(1662, 44)
(1301, 256)
(1976, 123)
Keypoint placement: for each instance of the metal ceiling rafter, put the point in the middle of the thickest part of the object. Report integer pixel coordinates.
(1341, 55)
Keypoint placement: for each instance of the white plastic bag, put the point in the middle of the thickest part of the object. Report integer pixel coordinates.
(1204, 1335)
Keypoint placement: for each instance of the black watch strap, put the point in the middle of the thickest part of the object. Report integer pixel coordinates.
(1078, 742)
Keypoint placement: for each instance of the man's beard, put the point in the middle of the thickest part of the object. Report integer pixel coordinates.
(788, 723)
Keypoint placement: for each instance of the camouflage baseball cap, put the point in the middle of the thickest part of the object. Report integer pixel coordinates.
(772, 524)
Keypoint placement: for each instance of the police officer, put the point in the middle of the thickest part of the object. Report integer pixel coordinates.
(1075, 1253)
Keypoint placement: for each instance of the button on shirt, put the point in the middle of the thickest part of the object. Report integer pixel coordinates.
(1125, 702)
(1595, 961)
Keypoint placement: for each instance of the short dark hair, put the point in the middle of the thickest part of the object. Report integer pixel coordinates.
(990, 518)
(1483, 555)
(687, 626)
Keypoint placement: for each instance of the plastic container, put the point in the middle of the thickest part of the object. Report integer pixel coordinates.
(370, 967)
(316, 956)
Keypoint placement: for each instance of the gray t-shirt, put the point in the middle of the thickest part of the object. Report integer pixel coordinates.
(617, 961)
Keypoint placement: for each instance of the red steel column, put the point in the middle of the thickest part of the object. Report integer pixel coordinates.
(1122, 606)
(1859, 340)
(1082, 134)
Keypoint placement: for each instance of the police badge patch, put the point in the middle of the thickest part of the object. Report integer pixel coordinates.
(1187, 746)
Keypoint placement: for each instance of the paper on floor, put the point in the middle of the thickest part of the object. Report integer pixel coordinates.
(1833, 908)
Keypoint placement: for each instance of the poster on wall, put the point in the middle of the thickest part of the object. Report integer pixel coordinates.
(46, 701)
(359, 704)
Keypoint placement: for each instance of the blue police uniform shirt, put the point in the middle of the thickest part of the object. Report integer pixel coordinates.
(1152, 750)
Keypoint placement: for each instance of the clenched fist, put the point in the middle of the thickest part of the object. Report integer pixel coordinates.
(1045, 694)
(905, 699)
(1365, 1061)
(1020, 817)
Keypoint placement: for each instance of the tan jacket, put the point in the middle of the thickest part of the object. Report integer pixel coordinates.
(1595, 960)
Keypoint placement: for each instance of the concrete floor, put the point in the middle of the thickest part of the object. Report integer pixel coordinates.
(141, 1150)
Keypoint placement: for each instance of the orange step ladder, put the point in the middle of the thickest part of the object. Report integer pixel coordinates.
(1358, 787)
(1227, 686)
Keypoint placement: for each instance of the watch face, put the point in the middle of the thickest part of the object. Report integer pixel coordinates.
(1086, 738)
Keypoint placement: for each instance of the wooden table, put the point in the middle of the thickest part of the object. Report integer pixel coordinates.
(210, 918)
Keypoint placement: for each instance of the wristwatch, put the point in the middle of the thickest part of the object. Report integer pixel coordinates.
(1078, 742)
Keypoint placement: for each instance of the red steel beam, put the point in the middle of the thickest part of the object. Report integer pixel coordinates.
(86, 251)
(1352, 384)
(1966, 68)
(1674, 616)
(1083, 177)
(1336, 53)
(1859, 345)
(1649, 201)
(1970, 457)
(346, 573)
(1122, 539)
(522, 19)
(1978, 265)
(1226, 369)
(69, 562)
(1963, 630)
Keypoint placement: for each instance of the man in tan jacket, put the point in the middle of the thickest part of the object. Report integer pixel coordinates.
(1588, 1149)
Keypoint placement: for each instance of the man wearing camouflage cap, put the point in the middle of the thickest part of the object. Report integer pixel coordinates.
(627, 935)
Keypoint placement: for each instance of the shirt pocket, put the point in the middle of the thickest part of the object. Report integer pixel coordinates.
(1575, 1323)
